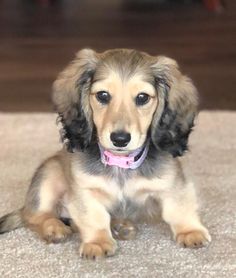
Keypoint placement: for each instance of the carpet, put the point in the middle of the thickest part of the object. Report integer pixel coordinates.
(27, 139)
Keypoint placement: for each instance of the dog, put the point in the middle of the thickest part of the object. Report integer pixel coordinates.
(126, 117)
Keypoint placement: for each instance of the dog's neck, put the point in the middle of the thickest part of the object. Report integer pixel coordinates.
(131, 161)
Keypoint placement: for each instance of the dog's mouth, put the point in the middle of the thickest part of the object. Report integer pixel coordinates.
(121, 152)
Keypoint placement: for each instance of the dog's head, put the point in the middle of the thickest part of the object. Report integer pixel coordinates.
(123, 97)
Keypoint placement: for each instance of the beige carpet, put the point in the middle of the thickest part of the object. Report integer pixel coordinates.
(26, 139)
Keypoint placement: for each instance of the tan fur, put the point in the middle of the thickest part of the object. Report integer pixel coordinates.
(101, 245)
(101, 195)
(47, 226)
(121, 113)
(193, 239)
(62, 187)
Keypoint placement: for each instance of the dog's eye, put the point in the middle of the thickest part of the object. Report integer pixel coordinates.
(142, 99)
(103, 97)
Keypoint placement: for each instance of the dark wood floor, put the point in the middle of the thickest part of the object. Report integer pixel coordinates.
(36, 42)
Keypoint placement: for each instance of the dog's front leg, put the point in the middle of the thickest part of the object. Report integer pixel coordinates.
(179, 210)
(93, 222)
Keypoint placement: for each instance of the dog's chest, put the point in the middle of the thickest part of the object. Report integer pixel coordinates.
(134, 199)
(122, 193)
(128, 194)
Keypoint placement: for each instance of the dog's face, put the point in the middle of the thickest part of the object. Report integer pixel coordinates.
(124, 97)
(122, 108)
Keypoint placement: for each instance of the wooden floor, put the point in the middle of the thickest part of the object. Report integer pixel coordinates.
(37, 41)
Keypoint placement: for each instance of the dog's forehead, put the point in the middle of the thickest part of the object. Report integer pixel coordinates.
(125, 64)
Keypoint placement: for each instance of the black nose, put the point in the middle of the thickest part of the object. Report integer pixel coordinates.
(120, 138)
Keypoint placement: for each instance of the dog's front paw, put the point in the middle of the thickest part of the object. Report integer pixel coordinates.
(54, 231)
(98, 249)
(193, 239)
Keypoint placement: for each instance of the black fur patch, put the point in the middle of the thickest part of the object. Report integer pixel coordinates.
(169, 135)
(76, 133)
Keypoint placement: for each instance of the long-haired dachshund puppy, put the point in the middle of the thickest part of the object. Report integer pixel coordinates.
(126, 117)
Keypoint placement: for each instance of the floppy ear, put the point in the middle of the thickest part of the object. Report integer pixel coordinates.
(178, 100)
(71, 100)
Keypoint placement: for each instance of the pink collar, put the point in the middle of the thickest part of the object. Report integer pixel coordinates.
(131, 161)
